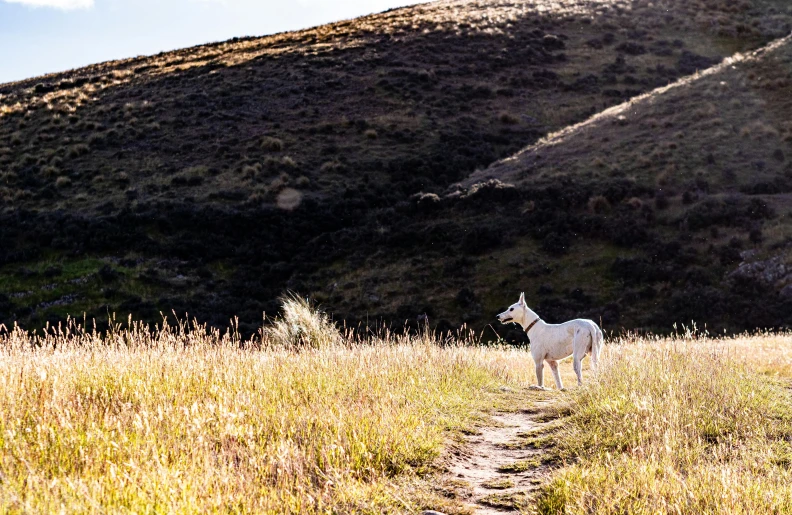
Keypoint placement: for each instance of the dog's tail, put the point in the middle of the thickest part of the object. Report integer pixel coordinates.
(596, 344)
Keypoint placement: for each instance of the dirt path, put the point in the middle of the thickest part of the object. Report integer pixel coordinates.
(498, 468)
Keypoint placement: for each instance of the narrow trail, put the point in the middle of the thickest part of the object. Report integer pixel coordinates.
(498, 469)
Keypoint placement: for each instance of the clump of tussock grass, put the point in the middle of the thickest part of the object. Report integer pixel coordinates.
(189, 419)
(272, 144)
(77, 150)
(675, 427)
(301, 325)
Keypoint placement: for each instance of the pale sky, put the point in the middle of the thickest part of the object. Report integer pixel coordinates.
(45, 36)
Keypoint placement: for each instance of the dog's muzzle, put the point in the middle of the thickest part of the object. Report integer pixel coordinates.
(506, 320)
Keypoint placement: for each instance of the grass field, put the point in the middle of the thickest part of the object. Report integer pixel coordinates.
(307, 419)
(684, 425)
(188, 422)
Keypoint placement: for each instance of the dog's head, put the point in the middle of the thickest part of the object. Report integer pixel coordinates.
(516, 312)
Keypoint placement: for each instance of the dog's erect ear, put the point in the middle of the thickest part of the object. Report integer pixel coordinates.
(522, 298)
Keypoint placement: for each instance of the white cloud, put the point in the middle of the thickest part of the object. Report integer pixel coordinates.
(58, 4)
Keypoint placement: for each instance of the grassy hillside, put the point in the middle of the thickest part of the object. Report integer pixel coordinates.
(212, 179)
(672, 207)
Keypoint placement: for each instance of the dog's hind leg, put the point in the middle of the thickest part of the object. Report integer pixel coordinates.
(556, 375)
(577, 364)
(578, 353)
(595, 348)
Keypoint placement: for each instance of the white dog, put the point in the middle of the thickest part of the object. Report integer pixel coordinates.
(554, 342)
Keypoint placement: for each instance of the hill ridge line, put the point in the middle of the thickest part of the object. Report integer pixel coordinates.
(275, 37)
(557, 137)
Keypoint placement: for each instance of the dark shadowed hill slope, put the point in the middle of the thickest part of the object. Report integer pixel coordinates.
(676, 206)
(211, 179)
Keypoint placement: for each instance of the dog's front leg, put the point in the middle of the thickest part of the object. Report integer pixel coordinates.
(539, 375)
(556, 374)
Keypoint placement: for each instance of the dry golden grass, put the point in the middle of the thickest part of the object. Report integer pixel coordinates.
(307, 419)
(681, 425)
(182, 420)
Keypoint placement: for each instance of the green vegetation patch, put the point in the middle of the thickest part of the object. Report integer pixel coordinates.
(56, 287)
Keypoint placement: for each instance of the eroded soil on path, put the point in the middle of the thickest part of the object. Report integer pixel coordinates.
(497, 469)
